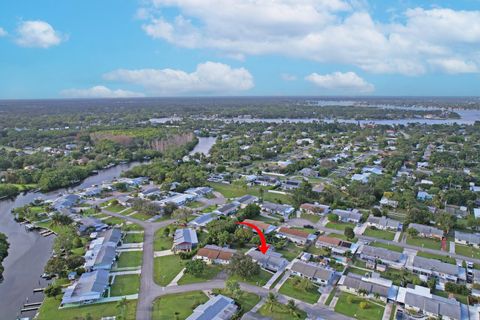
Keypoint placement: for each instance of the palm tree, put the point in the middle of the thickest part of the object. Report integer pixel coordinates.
(122, 307)
(271, 301)
(292, 307)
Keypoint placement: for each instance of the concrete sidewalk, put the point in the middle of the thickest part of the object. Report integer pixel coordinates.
(177, 278)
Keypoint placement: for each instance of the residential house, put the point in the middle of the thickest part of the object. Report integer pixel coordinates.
(86, 225)
(338, 246)
(179, 199)
(265, 227)
(90, 287)
(391, 258)
(65, 202)
(267, 181)
(203, 220)
(283, 210)
(271, 260)
(458, 211)
(215, 255)
(427, 268)
(308, 172)
(385, 202)
(361, 177)
(384, 223)
(472, 239)
(199, 191)
(353, 216)
(373, 286)
(228, 209)
(421, 300)
(424, 196)
(291, 184)
(184, 240)
(298, 237)
(149, 192)
(317, 209)
(314, 272)
(246, 200)
(217, 308)
(427, 231)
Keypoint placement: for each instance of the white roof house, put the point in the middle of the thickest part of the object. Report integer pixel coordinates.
(89, 287)
(217, 308)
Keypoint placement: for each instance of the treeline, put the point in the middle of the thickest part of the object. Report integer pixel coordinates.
(3, 251)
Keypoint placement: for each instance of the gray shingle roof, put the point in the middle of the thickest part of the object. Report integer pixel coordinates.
(381, 253)
(91, 285)
(217, 308)
(186, 235)
(435, 265)
(371, 288)
(473, 238)
(312, 271)
(435, 305)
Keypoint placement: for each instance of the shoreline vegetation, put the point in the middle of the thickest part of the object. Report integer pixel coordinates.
(4, 245)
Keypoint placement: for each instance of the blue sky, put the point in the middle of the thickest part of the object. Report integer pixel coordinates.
(107, 48)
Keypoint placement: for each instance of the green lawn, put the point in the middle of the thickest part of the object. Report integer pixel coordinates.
(161, 242)
(310, 296)
(386, 246)
(381, 234)
(195, 204)
(342, 236)
(127, 212)
(424, 242)
(330, 296)
(397, 276)
(235, 191)
(125, 285)
(467, 251)
(131, 227)
(210, 272)
(352, 308)
(260, 280)
(314, 218)
(130, 259)
(177, 306)
(290, 251)
(49, 310)
(115, 208)
(357, 271)
(246, 301)
(133, 238)
(166, 268)
(445, 259)
(460, 298)
(280, 312)
(114, 221)
(339, 225)
(140, 216)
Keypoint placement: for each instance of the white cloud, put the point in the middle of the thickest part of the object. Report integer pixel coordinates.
(288, 77)
(337, 31)
(208, 78)
(454, 66)
(38, 34)
(99, 92)
(3, 33)
(348, 82)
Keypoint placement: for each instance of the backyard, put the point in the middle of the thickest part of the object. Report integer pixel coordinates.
(310, 296)
(125, 285)
(177, 306)
(130, 259)
(166, 268)
(380, 234)
(349, 305)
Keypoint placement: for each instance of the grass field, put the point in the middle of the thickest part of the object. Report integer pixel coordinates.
(467, 251)
(386, 246)
(314, 218)
(445, 259)
(280, 312)
(130, 259)
(424, 242)
(177, 306)
(351, 307)
(49, 310)
(310, 296)
(112, 221)
(166, 268)
(140, 216)
(210, 272)
(115, 208)
(380, 234)
(131, 227)
(339, 225)
(235, 191)
(162, 242)
(125, 285)
(133, 238)
(290, 251)
(260, 280)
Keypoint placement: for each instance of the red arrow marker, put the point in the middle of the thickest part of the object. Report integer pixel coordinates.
(263, 246)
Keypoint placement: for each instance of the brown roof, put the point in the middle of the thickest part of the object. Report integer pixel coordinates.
(312, 207)
(212, 252)
(259, 224)
(294, 232)
(330, 240)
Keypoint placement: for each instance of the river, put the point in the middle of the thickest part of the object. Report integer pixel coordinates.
(29, 251)
(204, 145)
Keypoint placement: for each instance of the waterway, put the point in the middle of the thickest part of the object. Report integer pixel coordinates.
(29, 251)
(204, 145)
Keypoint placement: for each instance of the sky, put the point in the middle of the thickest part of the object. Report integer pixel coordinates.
(136, 48)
